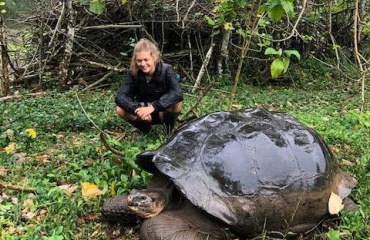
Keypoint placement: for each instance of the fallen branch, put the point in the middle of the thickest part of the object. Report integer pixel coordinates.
(15, 187)
(97, 82)
(13, 97)
(112, 26)
(102, 133)
(105, 66)
(107, 146)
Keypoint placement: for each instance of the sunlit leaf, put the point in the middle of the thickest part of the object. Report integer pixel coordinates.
(277, 67)
(335, 204)
(123, 2)
(286, 62)
(333, 234)
(11, 148)
(31, 133)
(113, 189)
(90, 191)
(271, 51)
(228, 26)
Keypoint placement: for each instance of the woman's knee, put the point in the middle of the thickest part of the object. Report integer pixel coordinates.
(175, 108)
(123, 114)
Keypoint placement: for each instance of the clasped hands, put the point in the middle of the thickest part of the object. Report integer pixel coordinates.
(144, 113)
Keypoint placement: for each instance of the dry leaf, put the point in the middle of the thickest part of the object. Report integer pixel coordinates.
(3, 170)
(44, 159)
(68, 188)
(117, 159)
(334, 149)
(15, 200)
(90, 191)
(89, 163)
(21, 157)
(335, 204)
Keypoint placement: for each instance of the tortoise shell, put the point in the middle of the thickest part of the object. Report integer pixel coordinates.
(251, 169)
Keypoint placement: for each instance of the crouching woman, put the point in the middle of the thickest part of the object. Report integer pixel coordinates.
(150, 93)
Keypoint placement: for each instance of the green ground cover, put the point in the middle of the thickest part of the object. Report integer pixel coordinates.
(41, 177)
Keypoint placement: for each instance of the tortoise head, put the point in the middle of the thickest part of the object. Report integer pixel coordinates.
(146, 203)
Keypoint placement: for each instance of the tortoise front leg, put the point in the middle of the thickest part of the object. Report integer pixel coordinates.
(187, 223)
(115, 210)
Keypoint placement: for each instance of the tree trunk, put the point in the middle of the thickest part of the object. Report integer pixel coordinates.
(4, 60)
(203, 68)
(68, 46)
(222, 63)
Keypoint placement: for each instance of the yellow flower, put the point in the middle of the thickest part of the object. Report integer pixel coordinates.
(228, 26)
(31, 133)
(10, 149)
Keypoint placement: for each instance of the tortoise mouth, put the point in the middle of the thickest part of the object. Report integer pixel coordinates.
(144, 203)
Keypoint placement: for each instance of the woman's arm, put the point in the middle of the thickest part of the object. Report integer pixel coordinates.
(126, 95)
(174, 94)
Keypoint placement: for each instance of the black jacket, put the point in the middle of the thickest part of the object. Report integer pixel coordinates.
(162, 91)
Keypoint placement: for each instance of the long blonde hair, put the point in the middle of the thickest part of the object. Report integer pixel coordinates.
(141, 46)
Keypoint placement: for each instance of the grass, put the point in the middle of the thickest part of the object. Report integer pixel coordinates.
(41, 194)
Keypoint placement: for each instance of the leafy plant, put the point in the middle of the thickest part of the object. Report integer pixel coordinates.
(281, 63)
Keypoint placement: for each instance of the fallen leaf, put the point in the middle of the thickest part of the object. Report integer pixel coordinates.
(44, 158)
(20, 157)
(335, 204)
(334, 149)
(117, 159)
(10, 149)
(3, 170)
(89, 163)
(90, 191)
(28, 203)
(68, 188)
(15, 200)
(31, 133)
(10, 134)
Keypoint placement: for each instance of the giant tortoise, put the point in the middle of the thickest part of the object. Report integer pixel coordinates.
(251, 171)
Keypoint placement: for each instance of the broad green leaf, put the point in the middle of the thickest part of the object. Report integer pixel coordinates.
(288, 7)
(293, 52)
(2, 3)
(241, 33)
(123, 2)
(286, 62)
(271, 51)
(333, 234)
(210, 21)
(276, 13)
(277, 67)
(97, 6)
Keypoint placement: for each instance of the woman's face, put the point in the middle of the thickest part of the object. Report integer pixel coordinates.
(145, 62)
